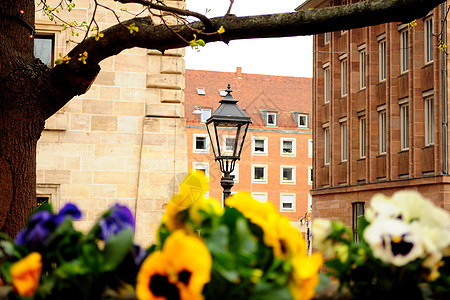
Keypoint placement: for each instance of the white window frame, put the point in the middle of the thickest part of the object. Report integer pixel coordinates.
(362, 67)
(404, 51)
(194, 146)
(264, 180)
(362, 137)
(404, 126)
(382, 59)
(429, 121)
(196, 165)
(344, 143)
(235, 173)
(310, 178)
(306, 120)
(292, 180)
(310, 147)
(326, 139)
(293, 140)
(225, 137)
(309, 203)
(428, 31)
(326, 38)
(265, 139)
(382, 131)
(344, 81)
(274, 114)
(327, 84)
(293, 202)
(201, 91)
(257, 195)
(203, 119)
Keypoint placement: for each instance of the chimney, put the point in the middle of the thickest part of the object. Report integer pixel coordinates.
(239, 72)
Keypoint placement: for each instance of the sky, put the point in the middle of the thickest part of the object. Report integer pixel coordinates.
(291, 56)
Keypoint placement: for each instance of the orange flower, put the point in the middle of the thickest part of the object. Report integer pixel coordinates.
(26, 274)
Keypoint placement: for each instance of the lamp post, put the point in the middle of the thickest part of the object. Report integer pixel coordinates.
(227, 128)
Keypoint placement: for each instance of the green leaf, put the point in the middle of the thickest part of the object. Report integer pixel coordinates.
(270, 291)
(116, 249)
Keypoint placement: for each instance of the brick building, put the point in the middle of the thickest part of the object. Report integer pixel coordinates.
(276, 160)
(380, 114)
(125, 139)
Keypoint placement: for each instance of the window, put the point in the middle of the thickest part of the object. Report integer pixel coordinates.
(358, 212)
(310, 147)
(362, 68)
(201, 91)
(261, 197)
(287, 202)
(326, 137)
(259, 145)
(344, 77)
(382, 59)
(222, 93)
(235, 173)
(206, 114)
(309, 203)
(404, 130)
(327, 85)
(229, 142)
(362, 137)
(201, 166)
(310, 175)
(41, 199)
(344, 141)
(428, 40)
(201, 143)
(287, 147)
(287, 174)
(326, 38)
(382, 124)
(404, 53)
(429, 121)
(271, 119)
(302, 120)
(44, 49)
(259, 173)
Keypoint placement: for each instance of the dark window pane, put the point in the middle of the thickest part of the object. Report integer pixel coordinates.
(287, 146)
(259, 145)
(200, 143)
(259, 173)
(287, 174)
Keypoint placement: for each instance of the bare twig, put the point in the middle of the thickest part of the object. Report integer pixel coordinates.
(229, 8)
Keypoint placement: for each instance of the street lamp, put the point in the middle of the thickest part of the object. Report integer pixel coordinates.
(227, 128)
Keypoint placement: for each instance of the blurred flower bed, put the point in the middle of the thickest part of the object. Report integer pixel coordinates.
(245, 251)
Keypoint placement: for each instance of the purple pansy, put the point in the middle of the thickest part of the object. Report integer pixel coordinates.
(119, 217)
(42, 224)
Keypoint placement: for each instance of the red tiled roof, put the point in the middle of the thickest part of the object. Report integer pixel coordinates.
(255, 93)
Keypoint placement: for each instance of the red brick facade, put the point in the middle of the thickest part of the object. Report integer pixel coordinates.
(405, 148)
(257, 95)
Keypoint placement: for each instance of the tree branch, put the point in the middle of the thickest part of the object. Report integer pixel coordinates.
(162, 37)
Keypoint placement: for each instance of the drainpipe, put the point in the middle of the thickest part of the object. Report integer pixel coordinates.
(444, 91)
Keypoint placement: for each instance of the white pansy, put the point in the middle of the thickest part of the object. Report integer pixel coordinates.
(381, 207)
(411, 204)
(394, 241)
(321, 229)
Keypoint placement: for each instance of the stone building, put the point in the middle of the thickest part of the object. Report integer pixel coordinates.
(380, 114)
(276, 158)
(125, 139)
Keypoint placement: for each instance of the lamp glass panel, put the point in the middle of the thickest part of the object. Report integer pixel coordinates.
(214, 139)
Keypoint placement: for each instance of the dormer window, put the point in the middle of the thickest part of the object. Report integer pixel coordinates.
(222, 93)
(271, 119)
(206, 114)
(302, 120)
(201, 91)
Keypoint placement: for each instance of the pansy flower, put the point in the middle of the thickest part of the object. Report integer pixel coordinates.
(42, 224)
(394, 241)
(118, 217)
(305, 275)
(179, 271)
(26, 273)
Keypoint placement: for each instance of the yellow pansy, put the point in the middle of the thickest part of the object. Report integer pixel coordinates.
(26, 273)
(204, 208)
(305, 276)
(179, 271)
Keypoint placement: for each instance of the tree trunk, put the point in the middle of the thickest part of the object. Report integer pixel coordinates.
(21, 116)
